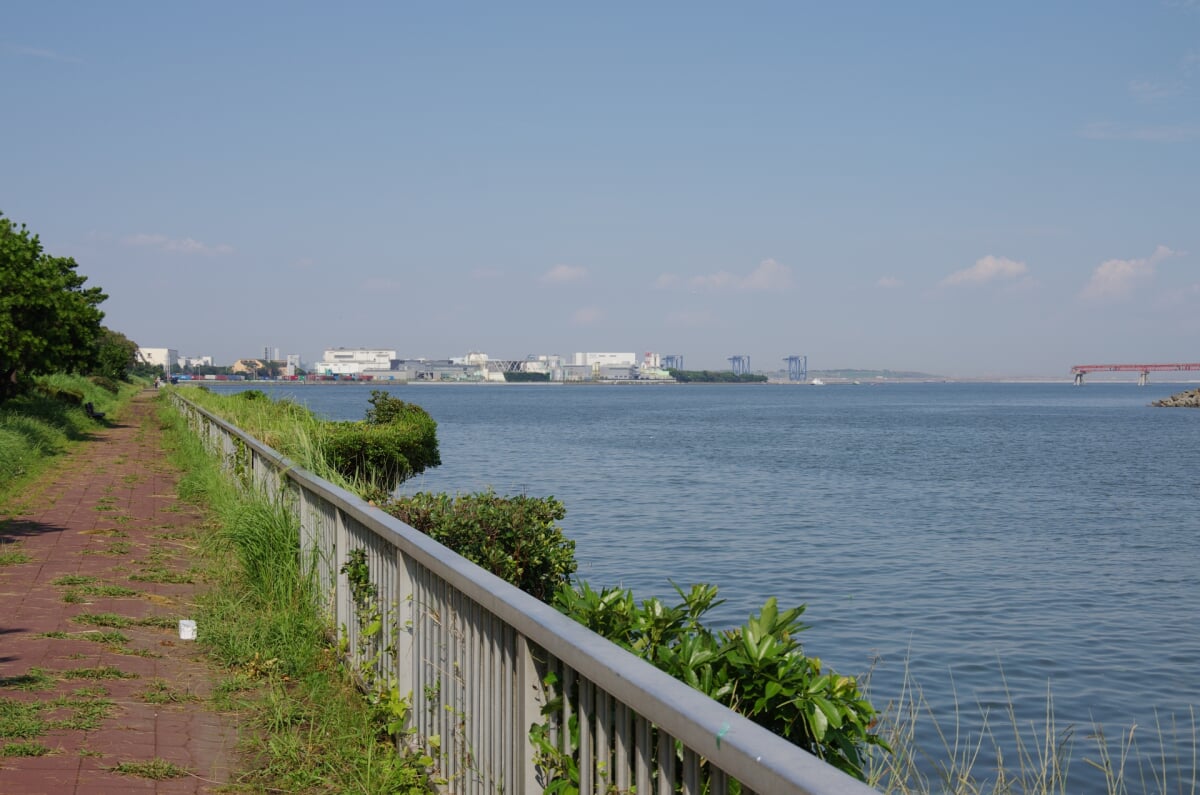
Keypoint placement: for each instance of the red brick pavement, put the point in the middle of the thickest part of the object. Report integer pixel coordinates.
(107, 516)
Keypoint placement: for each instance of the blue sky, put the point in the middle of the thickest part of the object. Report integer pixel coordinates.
(965, 189)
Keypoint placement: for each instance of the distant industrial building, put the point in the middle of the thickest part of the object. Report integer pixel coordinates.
(354, 361)
(166, 358)
(379, 364)
(605, 359)
(191, 362)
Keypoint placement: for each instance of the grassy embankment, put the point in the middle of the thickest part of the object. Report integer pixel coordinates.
(309, 729)
(259, 621)
(38, 427)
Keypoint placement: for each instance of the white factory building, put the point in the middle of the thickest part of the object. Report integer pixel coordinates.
(353, 361)
(166, 358)
(596, 360)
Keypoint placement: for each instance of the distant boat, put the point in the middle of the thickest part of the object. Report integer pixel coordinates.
(818, 382)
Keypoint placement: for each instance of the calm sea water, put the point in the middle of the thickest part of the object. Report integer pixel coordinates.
(997, 541)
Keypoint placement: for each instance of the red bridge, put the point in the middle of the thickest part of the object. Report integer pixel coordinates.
(1143, 370)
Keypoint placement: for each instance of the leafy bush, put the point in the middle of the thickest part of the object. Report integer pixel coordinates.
(758, 669)
(386, 409)
(515, 538)
(383, 455)
(396, 441)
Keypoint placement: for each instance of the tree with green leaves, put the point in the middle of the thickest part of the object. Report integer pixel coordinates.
(116, 356)
(49, 322)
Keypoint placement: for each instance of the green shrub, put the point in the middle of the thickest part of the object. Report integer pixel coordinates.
(515, 538)
(758, 669)
(396, 441)
(386, 409)
(382, 455)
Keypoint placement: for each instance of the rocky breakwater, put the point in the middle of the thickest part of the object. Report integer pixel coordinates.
(1189, 399)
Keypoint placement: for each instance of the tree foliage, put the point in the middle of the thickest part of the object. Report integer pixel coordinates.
(49, 321)
(116, 355)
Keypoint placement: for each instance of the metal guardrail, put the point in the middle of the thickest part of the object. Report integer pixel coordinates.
(482, 659)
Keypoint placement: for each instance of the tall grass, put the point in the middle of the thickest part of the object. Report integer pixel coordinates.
(261, 622)
(283, 425)
(1002, 755)
(44, 422)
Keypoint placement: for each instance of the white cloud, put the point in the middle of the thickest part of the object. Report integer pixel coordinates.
(889, 283)
(1116, 278)
(564, 274)
(1162, 134)
(586, 316)
(987, 269)
(769, 275)
(721, 280)
(184, 245)
(1149, 91)
(38, 52)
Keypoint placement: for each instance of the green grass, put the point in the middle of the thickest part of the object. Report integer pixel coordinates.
(109, 638)
(104, 620)
(13, 555)
(32, 680)
(99, 672)
(24, 749)
(21, 720)
(26, 720)
(117, 621)
(156, 769)
(114, 591)
(38, 427)
(159, 692)
(86, 713)
(73, 579)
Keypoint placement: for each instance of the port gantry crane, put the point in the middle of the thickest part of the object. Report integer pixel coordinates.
(797, 368)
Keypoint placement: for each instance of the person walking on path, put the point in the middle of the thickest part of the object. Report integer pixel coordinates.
(98, 692)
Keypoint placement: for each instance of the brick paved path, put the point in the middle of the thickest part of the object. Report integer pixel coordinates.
(104, 536)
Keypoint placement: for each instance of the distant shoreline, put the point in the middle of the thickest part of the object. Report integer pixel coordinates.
(826, 381)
